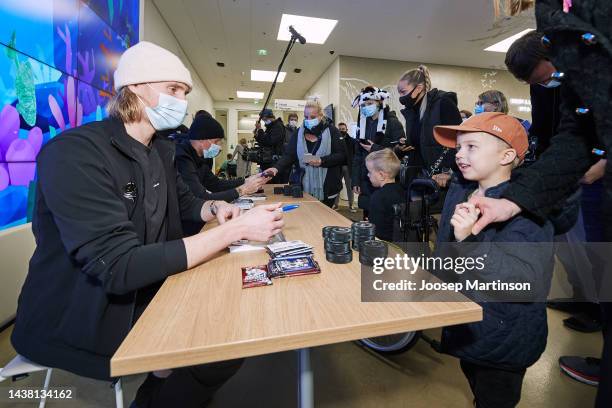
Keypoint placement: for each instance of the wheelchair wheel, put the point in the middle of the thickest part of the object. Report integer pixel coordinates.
(393, 343)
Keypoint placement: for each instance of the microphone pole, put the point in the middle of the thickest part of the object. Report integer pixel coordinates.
(295, 36)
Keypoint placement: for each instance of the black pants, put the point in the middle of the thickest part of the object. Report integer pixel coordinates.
(193, 387)
(604, 391)
(492, 387)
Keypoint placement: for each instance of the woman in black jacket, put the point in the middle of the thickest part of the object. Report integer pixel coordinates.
(317, 154)
(425, 108)
(378, 128)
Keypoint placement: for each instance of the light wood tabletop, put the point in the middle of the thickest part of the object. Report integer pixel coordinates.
(203, 315)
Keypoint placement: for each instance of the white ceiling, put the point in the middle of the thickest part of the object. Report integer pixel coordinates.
(453, 32)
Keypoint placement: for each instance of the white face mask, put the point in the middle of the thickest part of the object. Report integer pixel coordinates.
(293, 123)
(169, 112)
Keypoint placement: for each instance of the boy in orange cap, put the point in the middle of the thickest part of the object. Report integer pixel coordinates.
(495, 352)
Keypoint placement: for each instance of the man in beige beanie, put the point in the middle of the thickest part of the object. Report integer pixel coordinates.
(107, 224)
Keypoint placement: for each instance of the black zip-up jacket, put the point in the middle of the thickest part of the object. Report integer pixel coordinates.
(199, 177)
(273, 137)
(441, 110)
(78, 300)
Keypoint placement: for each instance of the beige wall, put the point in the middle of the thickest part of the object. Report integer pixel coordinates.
(327, 87)
(468, 83)
(153, 28)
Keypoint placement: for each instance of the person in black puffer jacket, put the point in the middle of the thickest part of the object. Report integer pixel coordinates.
(425, 108)
(579, 37)
(378, 128)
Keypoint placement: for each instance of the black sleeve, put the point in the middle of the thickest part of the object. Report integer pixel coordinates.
(190, 175)
(394, 132)
(78, 189)
(357, 165)
(215, 184)
(449, 116)
(338, 150)
(272, 137)
(539, 188)
(289, 156)
(190, 205)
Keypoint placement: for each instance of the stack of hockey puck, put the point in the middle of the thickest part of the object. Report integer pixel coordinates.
(371, 250)
(337, 244)
(362, 231)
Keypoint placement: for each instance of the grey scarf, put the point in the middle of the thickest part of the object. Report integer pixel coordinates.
(314, 177)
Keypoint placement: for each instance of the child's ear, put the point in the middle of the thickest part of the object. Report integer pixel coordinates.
(508, 157)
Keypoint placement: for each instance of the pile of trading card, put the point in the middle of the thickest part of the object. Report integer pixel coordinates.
(288, 258)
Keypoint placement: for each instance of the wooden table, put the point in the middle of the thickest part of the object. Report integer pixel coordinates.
(203, 315)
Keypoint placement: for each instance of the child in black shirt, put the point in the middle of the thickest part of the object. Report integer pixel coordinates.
(383, 165)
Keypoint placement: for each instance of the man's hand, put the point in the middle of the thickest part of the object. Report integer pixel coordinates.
(367, 146)
(257, 124)
(356, 189)
(271, 172)
(595, 172)
(492, 210)
(441, 179)
(463, 220)
(253, 183)
(261, 222)
(226, 212)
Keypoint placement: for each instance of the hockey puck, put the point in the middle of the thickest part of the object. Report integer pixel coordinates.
(340, 234)
(337, 247)
(339, 258)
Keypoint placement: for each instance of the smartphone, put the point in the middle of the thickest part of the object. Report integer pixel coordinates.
(394, 142)
(598, 152)
(308, 157)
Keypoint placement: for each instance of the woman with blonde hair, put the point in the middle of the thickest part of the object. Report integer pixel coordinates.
(424, 108)
(317, 155)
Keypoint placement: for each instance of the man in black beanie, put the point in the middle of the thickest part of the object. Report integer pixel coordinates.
(203, 142)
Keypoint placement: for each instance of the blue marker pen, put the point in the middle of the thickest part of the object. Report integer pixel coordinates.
(290, 207)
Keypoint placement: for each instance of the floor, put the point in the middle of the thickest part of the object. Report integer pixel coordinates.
(346, 375)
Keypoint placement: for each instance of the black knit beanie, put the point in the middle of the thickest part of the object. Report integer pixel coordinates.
(204, 127)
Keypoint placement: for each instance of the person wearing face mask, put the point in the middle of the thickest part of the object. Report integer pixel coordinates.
(203, 142)
(107, 224)
(528, 60)
(425, 108)
(271, 142)
(317, 155)
(378, 128)
(348, 167)
(465, 114)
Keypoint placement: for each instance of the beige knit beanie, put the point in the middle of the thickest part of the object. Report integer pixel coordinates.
(147, 62)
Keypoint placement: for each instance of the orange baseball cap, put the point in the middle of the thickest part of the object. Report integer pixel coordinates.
(497, 124)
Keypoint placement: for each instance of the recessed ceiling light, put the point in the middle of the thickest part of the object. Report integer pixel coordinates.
(262, 52)
(315, 30)
(220, 64)
(297, 70)
(503, 45)
(266, 76)
(249, 95)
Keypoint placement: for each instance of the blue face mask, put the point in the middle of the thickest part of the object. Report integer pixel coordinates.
(478, 109)
(310, 123)
(169, 112)
(267, 122)
(369, 110)
(553, 83)
(212, 151)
